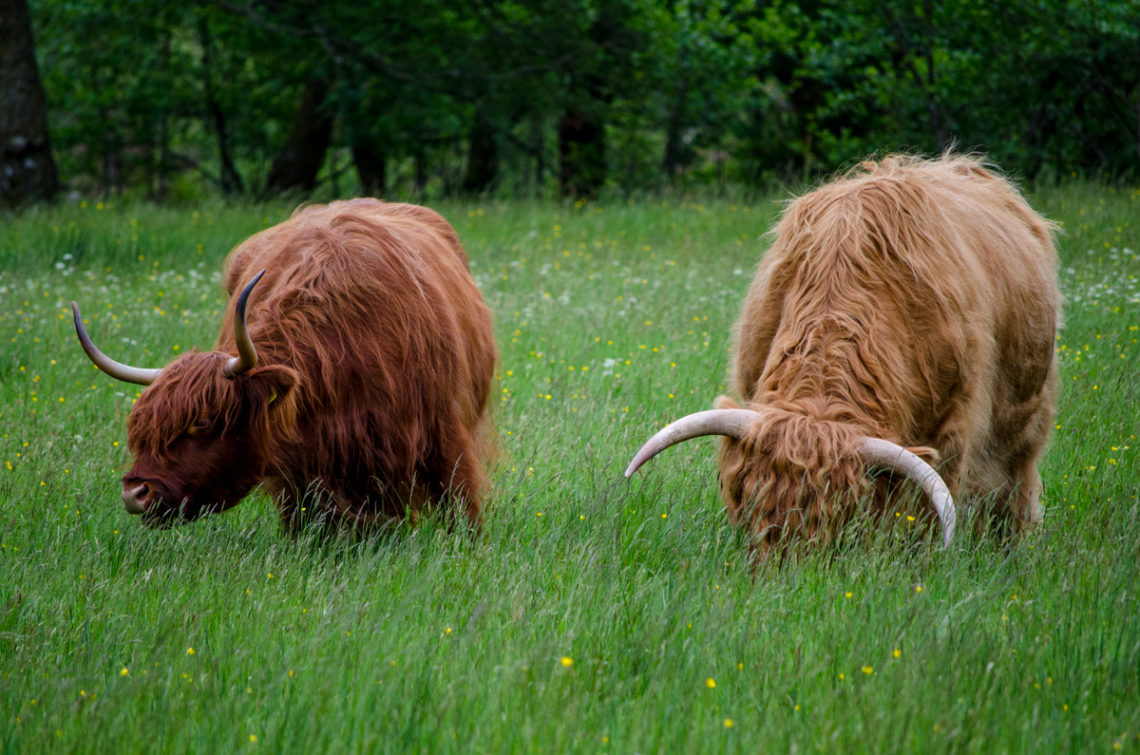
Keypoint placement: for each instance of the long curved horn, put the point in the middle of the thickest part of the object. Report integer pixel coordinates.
(730, 422)
(117, 370)
(889, 455)
(247, 355)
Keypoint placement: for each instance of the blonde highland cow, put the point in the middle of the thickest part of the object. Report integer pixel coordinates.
(903, 320)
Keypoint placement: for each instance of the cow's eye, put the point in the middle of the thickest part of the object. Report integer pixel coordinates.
(200, 426)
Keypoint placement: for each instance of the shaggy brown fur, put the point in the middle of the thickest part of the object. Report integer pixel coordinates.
(910, 300)
(375, 356)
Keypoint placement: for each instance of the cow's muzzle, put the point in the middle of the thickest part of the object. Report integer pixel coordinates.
(137, 496)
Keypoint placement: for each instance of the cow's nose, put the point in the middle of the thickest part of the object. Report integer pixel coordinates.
(136, 497)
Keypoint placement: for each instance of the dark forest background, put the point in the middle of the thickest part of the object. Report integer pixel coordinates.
(175, 101)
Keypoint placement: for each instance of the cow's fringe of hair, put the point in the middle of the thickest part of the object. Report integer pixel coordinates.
(790, 475)
(194, 390)
(794, 475)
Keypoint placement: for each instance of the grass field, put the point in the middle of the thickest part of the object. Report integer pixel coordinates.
(593, 614)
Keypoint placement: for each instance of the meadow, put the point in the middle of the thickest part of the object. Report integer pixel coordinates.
(592, 614)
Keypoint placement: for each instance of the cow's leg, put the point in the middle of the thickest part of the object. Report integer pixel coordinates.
(1024, 509)
(289, 510)
(462, 480)
(1027, 509)
(1028, 446)
(467, 486)
(312, 508)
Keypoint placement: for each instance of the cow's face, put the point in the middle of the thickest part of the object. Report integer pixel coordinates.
(203, 473)
(776, 497)
(200, 438)
(791, 477)
(791, 471)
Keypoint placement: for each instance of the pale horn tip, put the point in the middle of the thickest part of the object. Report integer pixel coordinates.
(117, 370)
(730, 422)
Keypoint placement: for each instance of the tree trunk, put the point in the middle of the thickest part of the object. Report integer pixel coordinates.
(419, 161)
(538, 141)
(295, 168)
(229, 178)
(482, 156)
(371, 167)
(677, 153)
(27, 169)
(582, 154)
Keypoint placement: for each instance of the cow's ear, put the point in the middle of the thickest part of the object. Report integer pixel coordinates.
(724, 402)
(271, 386)
(927, 454)
(271, 400)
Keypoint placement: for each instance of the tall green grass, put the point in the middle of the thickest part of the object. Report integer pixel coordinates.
(592, 614)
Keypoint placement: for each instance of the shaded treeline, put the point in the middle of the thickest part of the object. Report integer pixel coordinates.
(571, 97)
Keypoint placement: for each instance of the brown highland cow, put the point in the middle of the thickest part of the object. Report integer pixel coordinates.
(351, 377)
(904, 317)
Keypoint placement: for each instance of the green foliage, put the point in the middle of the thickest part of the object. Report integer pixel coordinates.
(470, 98)
(592, 613)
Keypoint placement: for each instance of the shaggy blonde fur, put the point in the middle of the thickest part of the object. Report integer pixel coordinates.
(911, 300)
